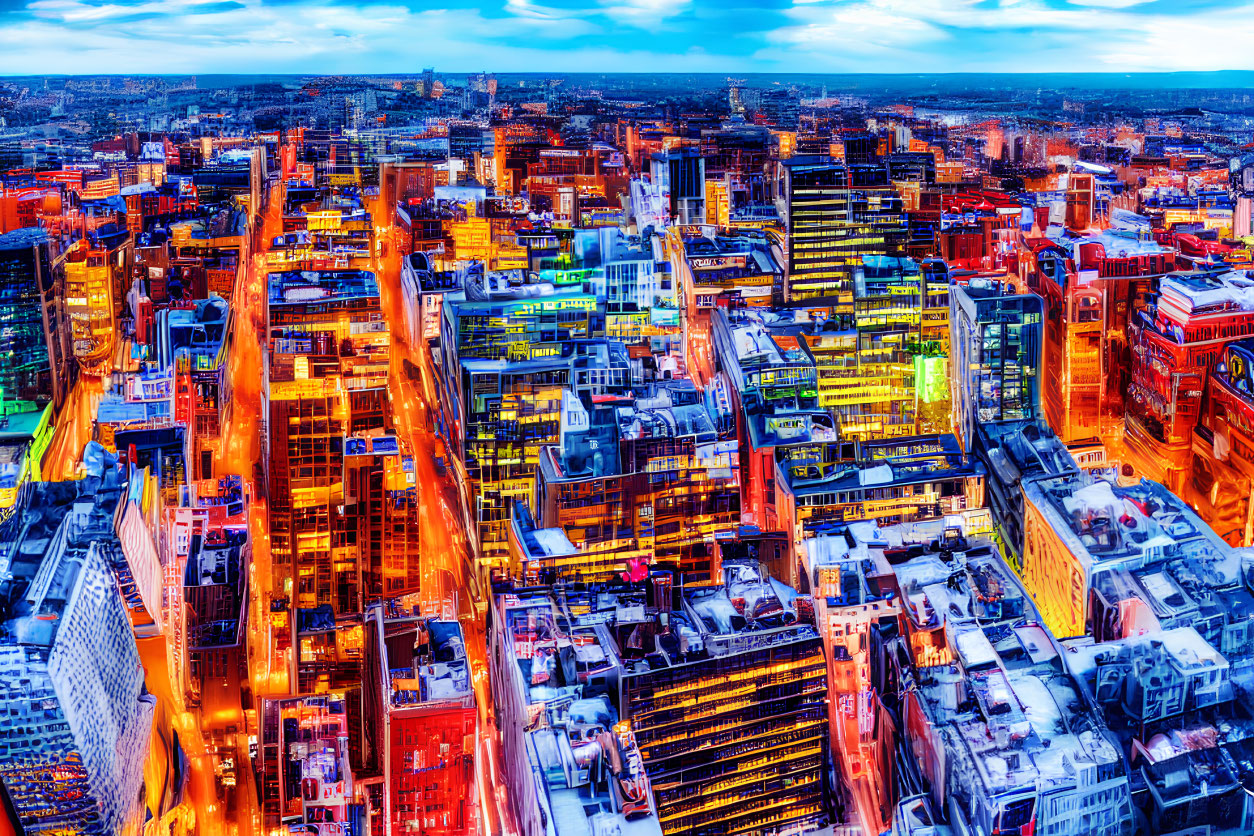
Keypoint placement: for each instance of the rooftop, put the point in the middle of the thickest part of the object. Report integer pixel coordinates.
(1021, 449)
(22, 238)
(425, 662)
(562, 668)
(1104, 524)
(1182, 295)
(1012, 722)
(1116, 242)
(294, 287)
(941, 575)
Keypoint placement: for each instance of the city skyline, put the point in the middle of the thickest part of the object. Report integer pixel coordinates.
(375, 36)
(456, 452)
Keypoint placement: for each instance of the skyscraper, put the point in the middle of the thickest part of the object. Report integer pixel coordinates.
(74, 715)
(831, 227)
(995, 354)
(33, 345)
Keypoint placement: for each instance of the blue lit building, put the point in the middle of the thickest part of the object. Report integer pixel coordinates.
(74, 716)
(26, 373)
(507, 353)
(995, 351)
(1015, 454)
(1005, 731)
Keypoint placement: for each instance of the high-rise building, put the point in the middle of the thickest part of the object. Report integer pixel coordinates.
(1092, 287)
(1076, 525)
(507, 353)
(1176, 342)
(892, 481)
(830, 228)
(655, 484)
(607, 790)
(429, 724)
(1222, 474)
(76, 717)
(39, 366)
(995, 354)
(722, 696)
(215, 582)
(728, 705)
(883, 377)
(775, 395)
(343, 506)
(681, 174)
(190, 342)
(1014, 454)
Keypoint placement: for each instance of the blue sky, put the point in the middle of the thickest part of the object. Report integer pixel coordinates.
(732, 36)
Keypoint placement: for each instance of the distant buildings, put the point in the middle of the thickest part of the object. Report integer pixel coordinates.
(815, 464)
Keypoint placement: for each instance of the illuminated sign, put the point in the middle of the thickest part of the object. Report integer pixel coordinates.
(718, 261)
(379, 445)
(325, 220)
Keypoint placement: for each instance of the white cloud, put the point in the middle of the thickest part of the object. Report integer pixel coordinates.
(322, 36)
(1213, 40)
(1109, 4)
(311, 36)
(930, 36)
(643, 13)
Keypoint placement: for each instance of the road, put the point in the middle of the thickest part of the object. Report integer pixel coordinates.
(449, 578)
(220, 714)
(72, 429)
(449, 585)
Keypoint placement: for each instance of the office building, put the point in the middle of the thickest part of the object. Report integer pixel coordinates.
(880, 375)
(213, 539)
(342, 502)
(1176, 342)
(507, 352)
(570, 762)
(1077, 525)
(1015, 453)
(774, 393)
(1092, 287)
(681, 174)
(1005, 732)
(76, 714)
(995, 355)
(1223, 447)
(751, 759)
(643, 482)
(831, 226)
(429, 724)
(917, 478)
